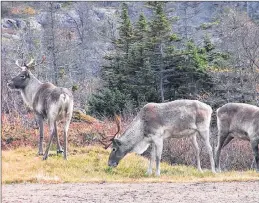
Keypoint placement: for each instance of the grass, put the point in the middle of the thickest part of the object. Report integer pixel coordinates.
(89, 164)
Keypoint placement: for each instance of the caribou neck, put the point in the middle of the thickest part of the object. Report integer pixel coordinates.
(133, 135)
(29, 92)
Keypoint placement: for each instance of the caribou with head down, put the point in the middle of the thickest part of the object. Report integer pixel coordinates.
(237, 120)
(47, 101)
(157, 121)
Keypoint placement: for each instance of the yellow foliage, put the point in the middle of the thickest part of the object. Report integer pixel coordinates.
(29, 11)
(79, 115)
(219, 70)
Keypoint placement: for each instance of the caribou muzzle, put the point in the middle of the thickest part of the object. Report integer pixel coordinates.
(11, 85)
(112, 164)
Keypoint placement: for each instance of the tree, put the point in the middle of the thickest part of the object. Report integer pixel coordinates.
(241, 33)
(187, 75)
(115, 73)
(160, 32)
(142, 75)
(107, 102)
(50, 41)
(125, 31)
(147, 67)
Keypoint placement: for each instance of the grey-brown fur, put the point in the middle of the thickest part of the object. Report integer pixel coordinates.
(157, 121)
(48, 102)
(241, 121)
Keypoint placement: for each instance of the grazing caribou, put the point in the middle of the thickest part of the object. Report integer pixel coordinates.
(157, 121)
(241, 121)
(47, 101)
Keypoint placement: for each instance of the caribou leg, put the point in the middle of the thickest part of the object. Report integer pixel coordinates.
(158, 154)
(254, 144)
(197, 148)
(222, 138)
(40, 121)
(59, 148)
(152, 159)
(53, 132)
(227, 140)
(66, 126)
(206, 137)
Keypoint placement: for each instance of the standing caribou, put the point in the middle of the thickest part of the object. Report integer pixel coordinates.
(241, 121)
(47, 101)
(157, 121)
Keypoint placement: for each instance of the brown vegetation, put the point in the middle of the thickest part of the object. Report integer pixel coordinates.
(83, 131)
(235, 156)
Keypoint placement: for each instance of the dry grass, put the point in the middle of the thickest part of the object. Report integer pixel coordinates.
(89, 164)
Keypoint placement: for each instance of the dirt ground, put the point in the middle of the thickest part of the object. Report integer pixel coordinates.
(236, 192)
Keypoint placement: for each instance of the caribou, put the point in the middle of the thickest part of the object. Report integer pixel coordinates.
(157, 121)
(47, 101)
(237, 120)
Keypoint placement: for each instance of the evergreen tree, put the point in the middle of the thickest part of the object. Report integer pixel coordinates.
(142, 83)
(159, 35)
(190, 77)
(125, 31)
(147, 66)
(116, 73)
(107, 102)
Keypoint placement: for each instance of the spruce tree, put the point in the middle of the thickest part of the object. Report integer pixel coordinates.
(115, 73)
(147, 65)
(190, 77)
(142, 82)
(125, 31)
(159, 35)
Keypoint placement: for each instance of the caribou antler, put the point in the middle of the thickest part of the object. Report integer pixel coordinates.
(29, 65)
(20, 66)
(107, 140)
(17, 63)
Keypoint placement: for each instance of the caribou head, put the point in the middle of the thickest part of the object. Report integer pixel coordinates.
(22, 79)
(117, 153)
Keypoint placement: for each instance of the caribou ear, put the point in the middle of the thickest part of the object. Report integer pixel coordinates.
(28, 74)
(117, 142)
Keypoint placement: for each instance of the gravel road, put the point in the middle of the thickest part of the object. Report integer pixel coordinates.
(219, 192)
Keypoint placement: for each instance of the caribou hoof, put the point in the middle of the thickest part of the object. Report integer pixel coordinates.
(149, 172)
(45, 158)
(40, 153)
(200, 170)
(218, 171)
(60, 151)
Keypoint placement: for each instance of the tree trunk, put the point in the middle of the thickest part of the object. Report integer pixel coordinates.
(161, 67)
(53, 45)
